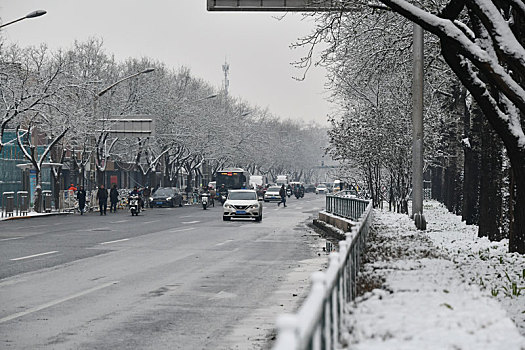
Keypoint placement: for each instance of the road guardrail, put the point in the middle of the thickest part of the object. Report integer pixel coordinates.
(317, 324)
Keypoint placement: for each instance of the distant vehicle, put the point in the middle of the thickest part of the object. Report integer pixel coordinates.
(310, 188)
(296, 189)
(242, 204)
(166, 197)
(233, 178)
(321, 189)
(272, 194)
(337, 186)
(257, 181)
(212, 184)
(282, 180)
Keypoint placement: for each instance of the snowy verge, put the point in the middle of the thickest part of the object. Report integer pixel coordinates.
(436, 289)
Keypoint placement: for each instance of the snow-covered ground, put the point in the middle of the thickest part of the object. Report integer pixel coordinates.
(443, 288)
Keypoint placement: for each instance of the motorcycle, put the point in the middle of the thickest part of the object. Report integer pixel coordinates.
(134, 204)
(204, 200)
(222, 196)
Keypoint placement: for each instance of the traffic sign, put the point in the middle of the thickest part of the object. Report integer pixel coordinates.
(134, 126)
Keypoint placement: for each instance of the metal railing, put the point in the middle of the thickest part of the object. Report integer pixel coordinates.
(318, 322)
(346, 205)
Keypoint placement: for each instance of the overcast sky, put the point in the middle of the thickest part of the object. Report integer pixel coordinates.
(182, 32)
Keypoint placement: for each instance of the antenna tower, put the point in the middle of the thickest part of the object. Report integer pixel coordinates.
(226, 70)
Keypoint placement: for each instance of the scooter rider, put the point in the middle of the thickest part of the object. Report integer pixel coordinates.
(136, 192)
(223, 191)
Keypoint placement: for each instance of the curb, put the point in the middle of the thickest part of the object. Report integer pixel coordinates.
(31, 216)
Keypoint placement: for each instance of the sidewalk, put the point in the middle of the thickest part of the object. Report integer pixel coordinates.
(443, 288)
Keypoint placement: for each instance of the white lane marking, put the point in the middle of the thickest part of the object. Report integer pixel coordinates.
(150, 222)
(118, 240)
(225, 242)
(11, 282)
(184, 229)
(34, 255)
(186, 216)
(189, 222)
(118, 222)
(100, 229)
(55, 302)
(10, 239)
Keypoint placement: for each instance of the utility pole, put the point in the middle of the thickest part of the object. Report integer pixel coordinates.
(417, 129)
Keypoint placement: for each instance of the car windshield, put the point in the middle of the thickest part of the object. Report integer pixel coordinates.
(164, 192)
(242, 196)
(321, 186)
(274, 189)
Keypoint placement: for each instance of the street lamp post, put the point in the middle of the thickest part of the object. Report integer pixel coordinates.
(102, 92)
(95, 99)
(33, 14)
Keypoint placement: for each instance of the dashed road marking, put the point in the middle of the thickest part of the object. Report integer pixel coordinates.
(189, 222)
(118, 222)
(116, 241)
(55, 302)
(225, 242)
(34, 255)
(184, 229)
(10, 239)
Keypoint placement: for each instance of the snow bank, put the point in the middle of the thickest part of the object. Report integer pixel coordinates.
(444, 288)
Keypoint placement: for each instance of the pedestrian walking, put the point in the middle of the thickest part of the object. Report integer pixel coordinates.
(282, 193)
(102, 197)
(146, 194)
(113, 198)
(81, 197)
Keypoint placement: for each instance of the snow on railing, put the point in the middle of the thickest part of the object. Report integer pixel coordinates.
(346, 205)
(318, 322)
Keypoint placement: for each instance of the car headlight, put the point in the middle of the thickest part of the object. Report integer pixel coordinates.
(168, 199)
(228, 206)
(151, 199)
(254, 206)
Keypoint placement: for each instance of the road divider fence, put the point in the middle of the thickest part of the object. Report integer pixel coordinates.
(318, 322)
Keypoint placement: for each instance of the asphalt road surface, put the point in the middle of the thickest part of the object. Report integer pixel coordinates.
(171, 278)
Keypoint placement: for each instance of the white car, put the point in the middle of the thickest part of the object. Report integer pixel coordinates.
(321, 189)
(272, 194)
(242, 204)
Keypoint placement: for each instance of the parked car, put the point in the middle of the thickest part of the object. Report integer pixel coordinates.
(272, 194)
(166, 197)
(321, 189)
(310, 188)
(242, 204)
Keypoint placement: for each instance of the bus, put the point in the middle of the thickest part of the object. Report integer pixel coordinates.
(233, 178)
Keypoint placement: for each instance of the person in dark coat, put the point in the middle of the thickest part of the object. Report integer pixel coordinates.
(102, 197)
(81, 197)
(113, 198)
(282, 193)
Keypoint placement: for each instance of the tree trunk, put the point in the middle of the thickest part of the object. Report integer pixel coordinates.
(471, 175)
(517, 224)
(490, 200)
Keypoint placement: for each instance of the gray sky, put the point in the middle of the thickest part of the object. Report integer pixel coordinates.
(182, 32)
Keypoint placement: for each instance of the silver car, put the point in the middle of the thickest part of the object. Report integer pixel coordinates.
(272, 194)
(242, 204)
